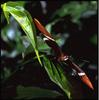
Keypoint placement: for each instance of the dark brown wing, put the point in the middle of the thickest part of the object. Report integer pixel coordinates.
(80, 73)
(55, 47)
(49, 40)
(51, 43)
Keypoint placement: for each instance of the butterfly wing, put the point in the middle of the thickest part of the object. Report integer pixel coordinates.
(43, 30)
(80, 73)
(48, 38)
(51, 43)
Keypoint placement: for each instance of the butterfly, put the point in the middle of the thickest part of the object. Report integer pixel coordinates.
(60, 55)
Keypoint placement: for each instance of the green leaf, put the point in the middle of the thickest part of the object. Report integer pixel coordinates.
(42, 46)
(93, 39)
(49, 27)
(35, 92)
(7, 72)
(25, 21)
(16, 3)
(5, 12)
(57, 75)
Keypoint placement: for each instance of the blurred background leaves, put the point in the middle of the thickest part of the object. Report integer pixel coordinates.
(35, 92)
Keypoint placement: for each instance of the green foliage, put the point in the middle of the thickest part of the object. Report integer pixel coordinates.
(42, 46)
(75, 10)
(33, 43)
(35, 92)
(93, 39)
(57, 75)
(25, 21)
(11, 35)
(5, 73)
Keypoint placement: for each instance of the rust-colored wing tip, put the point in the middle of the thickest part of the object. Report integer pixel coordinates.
(86, 80)
(43, 30)
(36, 20)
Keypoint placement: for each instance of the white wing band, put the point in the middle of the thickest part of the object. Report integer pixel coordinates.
(81, 74)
